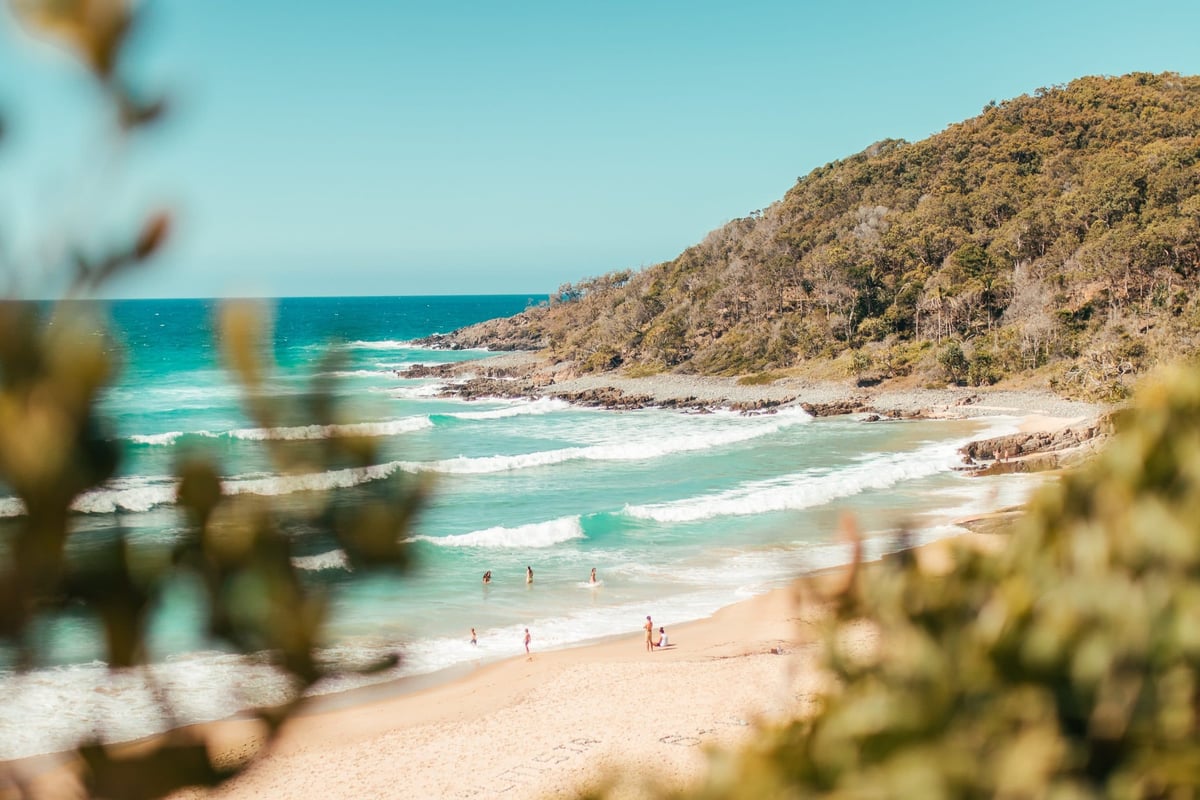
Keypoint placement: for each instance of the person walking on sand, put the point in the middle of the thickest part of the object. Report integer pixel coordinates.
(529, 574)
(527, 638)
(473, 641)
(649, 626)
(592, 579)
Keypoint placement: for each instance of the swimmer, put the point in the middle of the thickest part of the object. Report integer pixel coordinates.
(487, 576)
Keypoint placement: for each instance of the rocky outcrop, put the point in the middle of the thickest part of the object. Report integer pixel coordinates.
(520, 332)
(1036, 451)
(836, 408)
(1018, 445)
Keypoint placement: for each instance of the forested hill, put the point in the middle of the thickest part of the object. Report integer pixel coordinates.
(1056, 236)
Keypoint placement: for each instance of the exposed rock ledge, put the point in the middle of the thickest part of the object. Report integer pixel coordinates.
(1038, 450)
(524, 374)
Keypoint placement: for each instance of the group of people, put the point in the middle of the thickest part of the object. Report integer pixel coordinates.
(651, 641)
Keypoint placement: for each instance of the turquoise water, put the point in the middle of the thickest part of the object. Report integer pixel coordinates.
(679, 513)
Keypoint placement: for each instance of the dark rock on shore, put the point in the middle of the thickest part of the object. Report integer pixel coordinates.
(481, 387)
(1036, 451)
(837, 407)
(1017, 445)
(427, 371)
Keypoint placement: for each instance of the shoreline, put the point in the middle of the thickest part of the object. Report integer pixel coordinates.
(524, 374)
(431, 728)
(563, 721)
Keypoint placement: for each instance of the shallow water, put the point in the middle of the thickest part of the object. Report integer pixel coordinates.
(680, 513)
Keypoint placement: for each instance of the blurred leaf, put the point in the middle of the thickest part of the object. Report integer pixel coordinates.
(94, 29)
(134, 773)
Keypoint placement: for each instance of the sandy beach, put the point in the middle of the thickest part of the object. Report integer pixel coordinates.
(559, 722)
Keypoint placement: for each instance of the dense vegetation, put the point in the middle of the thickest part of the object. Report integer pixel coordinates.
(1056, 234)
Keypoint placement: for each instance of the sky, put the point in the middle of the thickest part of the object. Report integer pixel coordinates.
(397, 148)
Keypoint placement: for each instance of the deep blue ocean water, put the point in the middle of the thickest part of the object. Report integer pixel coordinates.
(679, 513)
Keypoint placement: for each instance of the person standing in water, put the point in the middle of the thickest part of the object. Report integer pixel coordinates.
(527, 638)
(649, 626)
(487, 576)
(529, 574)
(473, 641)
(592, 579)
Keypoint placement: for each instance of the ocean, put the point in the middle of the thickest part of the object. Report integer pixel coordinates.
(680, 513)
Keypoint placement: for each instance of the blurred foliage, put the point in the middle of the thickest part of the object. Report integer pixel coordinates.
(53, 447)
(1048, 224)
(1065, 666)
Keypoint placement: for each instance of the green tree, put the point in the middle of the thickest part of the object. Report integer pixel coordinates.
(953, 362)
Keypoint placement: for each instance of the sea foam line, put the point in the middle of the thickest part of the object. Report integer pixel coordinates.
(334, 559)
(143, 494)
(382, 428)
(535, 534)
(543, 405)
(635, 451)
(295, 433)
(806, 489)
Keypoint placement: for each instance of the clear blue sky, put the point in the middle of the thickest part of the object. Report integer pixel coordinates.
(450, 147)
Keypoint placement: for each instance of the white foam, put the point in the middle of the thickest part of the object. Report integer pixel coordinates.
(310, 481)
(383, 344)
(392, 427)
(308, 432)
(418, 392)
(334, 559)
(136, 494)
(11, 507)
(361, 373)
(807, 489)
(543, 405)
(157, 438)
(535, 534)
(625, 451)
(73, 702)
(985, 493)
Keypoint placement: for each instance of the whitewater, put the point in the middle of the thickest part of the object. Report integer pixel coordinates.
(680, 513)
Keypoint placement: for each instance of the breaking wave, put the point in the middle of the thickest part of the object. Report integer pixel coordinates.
(807, 489)
(536, 534)
(625, 451)
(296, 433)
(334, 559)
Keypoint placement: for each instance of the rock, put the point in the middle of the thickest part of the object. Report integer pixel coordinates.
(835, 408)
(1036, 451)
